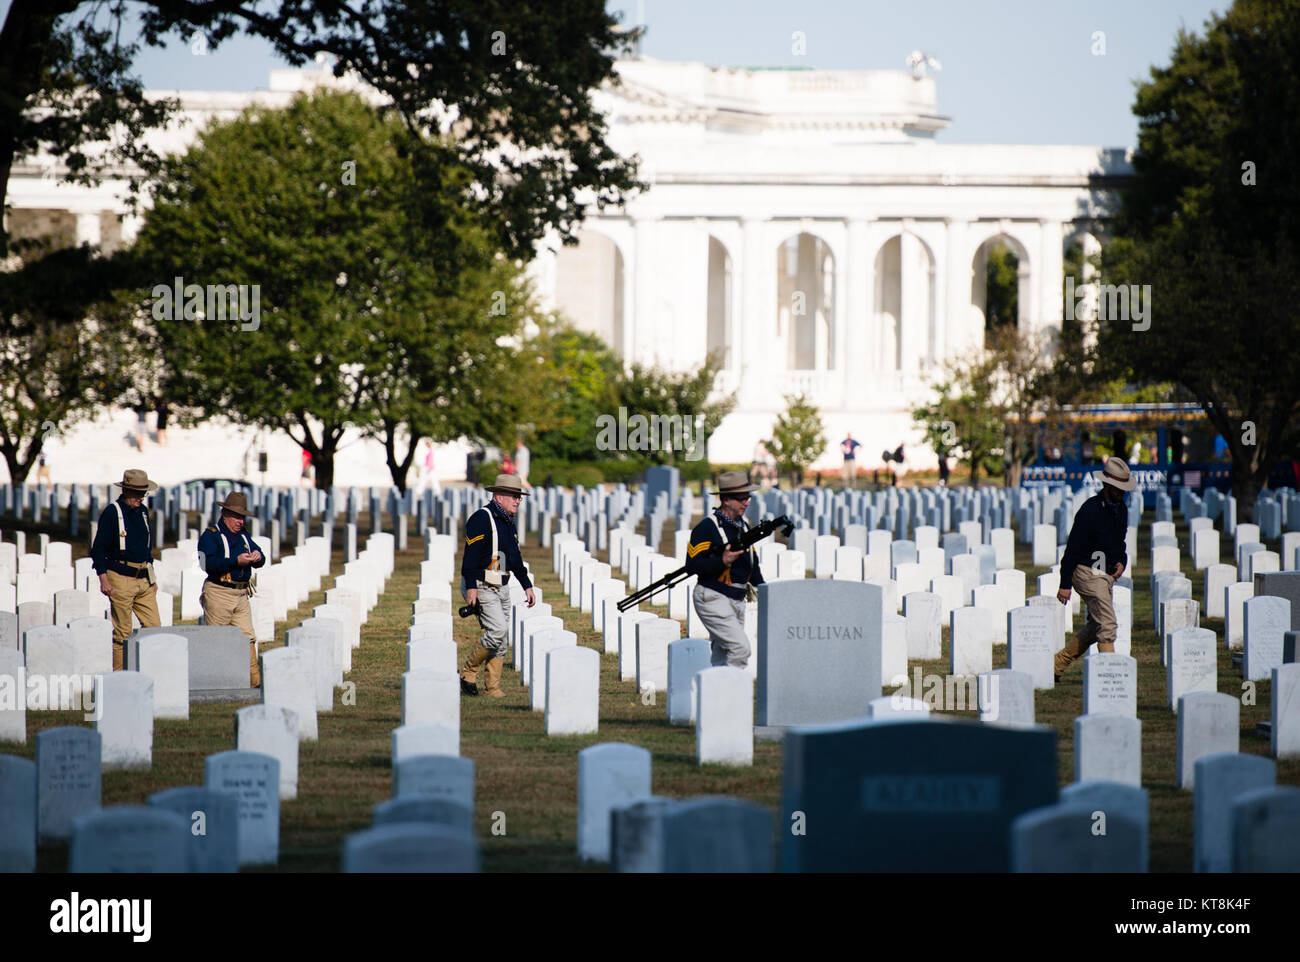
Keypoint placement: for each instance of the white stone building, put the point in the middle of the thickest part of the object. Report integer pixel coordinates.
(804, 224)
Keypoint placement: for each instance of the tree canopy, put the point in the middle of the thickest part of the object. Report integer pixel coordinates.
(509, 81)
(1210, 232)
(348, 319)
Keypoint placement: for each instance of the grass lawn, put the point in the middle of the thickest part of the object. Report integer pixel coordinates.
(526, 783)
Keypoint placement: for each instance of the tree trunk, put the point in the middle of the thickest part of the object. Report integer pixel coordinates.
(974, 472)
(19, 467)
(1246, 485)
(397, 469)
(323, 462)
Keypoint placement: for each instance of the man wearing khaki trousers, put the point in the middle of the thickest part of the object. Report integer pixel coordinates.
(122, 554)
(230, 556)
(1095, 556)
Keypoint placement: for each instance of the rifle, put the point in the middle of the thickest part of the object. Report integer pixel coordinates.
(747, 540)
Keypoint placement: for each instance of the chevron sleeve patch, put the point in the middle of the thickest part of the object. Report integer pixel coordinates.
(477, 537)
(693, 550)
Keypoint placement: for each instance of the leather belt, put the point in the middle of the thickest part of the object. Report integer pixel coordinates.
(131, 569)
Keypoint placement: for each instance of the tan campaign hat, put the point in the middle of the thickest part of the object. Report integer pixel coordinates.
(236, 503)
(508, 484)
(1116, 473)
(735, 482)
(134, 480)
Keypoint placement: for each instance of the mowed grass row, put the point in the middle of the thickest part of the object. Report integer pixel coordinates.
(526, 783)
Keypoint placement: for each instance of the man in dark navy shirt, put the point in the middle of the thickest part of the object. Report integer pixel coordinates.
(230, 556)
(1094, 557)
(491, 559)
(122, 553)
(724, 575)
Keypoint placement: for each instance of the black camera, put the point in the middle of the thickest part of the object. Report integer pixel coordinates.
(475, 609)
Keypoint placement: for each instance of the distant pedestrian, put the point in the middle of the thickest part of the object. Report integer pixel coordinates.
(523, 459)
(162, 410)
(849, 449)
(43, 472)
(943, 467)
(141, 424)
(305, 482)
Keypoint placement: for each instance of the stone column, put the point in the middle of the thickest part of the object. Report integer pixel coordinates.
(1051, 262)
(912, 321)
(88, 228)
(758, 310)
(954, 315)
(858, 273)
(638, 330)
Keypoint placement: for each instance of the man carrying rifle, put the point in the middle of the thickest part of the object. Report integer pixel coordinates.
(724, 575)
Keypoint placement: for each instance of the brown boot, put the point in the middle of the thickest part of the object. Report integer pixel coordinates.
(469, 672)
(1105, 647)
(493, 673)
(254, 671)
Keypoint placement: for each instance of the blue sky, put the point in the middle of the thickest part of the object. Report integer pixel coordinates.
(1014, 71)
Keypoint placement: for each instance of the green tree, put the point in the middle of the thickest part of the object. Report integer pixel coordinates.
(579, 379)
(1211, 223)
(1002, 289)
(64, 350)
(362, 325)
(963, 418)
(516, 77)
(798, 436)
(656, 393)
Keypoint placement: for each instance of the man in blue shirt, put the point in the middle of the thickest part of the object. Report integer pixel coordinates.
(724, 576)
(230, 557)
(491, 559)
(1094, 557)
(122, 553)
(849, 448)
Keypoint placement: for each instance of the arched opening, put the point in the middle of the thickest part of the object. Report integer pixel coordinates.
(719, 302)
(905, 304)
(589, 287)
(805, 317)
(1000, 284)
(1081, 267)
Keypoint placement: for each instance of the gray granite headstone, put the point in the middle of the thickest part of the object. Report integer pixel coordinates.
(130, 839)
(716, 834)
(1109, 797)
(1221, 779)
(1266, 830)
(1064, 838)
(408, 847)
(218, 655)
(426, 810)
(1282, 584)
(67, 778)
(636, 834)
(18, 825)
(950, 788)
(838, 623)
(254, 780)
(439, 776)
(212, 820)
(9, 630)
